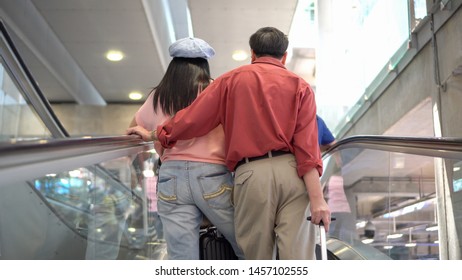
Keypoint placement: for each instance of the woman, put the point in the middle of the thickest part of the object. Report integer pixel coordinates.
(193, 179)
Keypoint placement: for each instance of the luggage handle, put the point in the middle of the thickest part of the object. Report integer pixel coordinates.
(322, 233)
(212, 229)
(321, 223)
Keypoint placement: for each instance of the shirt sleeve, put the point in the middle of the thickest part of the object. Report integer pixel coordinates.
(305, 140)
(196, 120)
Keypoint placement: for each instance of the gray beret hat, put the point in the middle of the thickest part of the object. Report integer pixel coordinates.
(192, 48)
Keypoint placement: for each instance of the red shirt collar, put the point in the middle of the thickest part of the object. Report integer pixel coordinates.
(269, 60)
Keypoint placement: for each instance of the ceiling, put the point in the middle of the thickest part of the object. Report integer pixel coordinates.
(64, 42)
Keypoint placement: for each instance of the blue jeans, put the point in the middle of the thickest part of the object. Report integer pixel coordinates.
(186, 191)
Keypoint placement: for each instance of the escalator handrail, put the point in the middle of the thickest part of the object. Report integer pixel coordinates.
(436, 146)
(36, 145)
(448, 147)
(28, 154)
(18, 153)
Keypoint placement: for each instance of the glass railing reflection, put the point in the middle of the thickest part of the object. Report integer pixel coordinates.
(385, 200)
(112, 205)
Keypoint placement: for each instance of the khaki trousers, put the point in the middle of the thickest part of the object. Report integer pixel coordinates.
(271, 201)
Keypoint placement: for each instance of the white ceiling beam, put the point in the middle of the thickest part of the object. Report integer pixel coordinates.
(168, 21)
(28, 24)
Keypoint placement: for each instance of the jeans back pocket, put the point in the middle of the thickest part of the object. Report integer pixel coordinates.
(167, 189)
(217, 190)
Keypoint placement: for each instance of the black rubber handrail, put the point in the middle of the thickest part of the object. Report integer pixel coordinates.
(18, 153)
(448, 147)
(436, 146)
(59, 144)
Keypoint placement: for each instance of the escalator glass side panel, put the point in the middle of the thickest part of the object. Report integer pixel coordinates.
(18, 119)
(387, 202)
(103, 211)
(25, 110)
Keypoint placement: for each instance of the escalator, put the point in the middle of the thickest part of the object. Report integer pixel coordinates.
(61, 198)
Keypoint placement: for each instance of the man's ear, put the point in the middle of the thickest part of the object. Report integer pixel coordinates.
(283, 59)
(252, 56)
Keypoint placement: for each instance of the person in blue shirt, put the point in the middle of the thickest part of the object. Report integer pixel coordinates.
(344, 227)
(325, 137)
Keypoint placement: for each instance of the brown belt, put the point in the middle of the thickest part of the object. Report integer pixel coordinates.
(267, 155)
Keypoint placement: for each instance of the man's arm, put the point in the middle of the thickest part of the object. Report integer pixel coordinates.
(305, 138)
(196, 120)
(318, 206)
(308, 156)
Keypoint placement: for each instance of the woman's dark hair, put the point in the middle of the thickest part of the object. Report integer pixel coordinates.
(269, 41)
(182, 82)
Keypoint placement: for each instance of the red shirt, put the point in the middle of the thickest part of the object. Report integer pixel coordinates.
(262, 107)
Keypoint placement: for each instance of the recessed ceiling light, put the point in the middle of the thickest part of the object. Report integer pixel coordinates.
(240, 55)
(134, 95)
(114, 55)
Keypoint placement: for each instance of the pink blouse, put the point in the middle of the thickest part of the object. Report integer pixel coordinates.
(208, 148)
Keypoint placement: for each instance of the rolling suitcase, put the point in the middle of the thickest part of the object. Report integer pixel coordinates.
(321, 249)
(214, 246)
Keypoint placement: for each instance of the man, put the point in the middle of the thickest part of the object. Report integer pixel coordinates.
(269, 120)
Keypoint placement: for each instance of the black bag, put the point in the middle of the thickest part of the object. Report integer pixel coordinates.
(214, 246)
